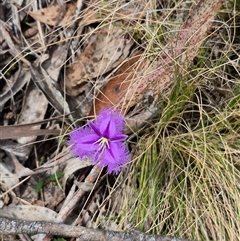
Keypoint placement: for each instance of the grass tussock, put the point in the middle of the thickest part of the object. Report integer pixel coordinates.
(186, 174)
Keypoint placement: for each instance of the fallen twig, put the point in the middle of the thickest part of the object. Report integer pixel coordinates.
(11, 226)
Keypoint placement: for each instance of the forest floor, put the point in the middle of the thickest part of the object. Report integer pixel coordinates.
(170, 67)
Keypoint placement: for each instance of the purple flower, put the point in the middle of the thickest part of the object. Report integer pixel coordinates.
(103, 141)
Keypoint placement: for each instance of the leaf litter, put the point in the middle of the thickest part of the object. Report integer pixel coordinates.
(73, 60)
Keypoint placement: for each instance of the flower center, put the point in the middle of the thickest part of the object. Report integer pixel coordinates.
(102, 142)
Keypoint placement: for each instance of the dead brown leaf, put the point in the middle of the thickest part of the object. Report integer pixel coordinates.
(118, 85)
(108, 48)
(58, 15)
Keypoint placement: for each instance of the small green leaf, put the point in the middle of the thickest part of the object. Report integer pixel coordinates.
(42, 159)
(39, 186)
(56, 176)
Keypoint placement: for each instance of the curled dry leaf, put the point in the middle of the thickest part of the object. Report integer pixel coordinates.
(108, 48)
(58, 15)
(117, 86)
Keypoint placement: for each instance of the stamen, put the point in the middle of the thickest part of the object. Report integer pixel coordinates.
(102, 142)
